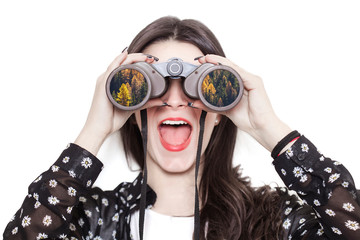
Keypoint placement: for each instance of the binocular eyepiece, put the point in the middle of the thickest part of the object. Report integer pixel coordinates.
(130, 86)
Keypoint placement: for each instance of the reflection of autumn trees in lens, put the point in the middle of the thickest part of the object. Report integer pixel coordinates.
(128, 87)
(220, 88)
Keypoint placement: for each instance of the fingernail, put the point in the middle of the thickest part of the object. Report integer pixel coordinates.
(151, 56)
(197, 58)
(124, 49)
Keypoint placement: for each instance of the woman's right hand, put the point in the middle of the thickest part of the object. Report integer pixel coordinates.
(103, 118)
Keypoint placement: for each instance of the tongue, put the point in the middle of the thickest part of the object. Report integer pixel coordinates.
(175, 135)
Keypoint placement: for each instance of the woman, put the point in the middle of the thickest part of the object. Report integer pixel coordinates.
(61, 203)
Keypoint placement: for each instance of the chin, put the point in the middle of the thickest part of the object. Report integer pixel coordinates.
(176, 164)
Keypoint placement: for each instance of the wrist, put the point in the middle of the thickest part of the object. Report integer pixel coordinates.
(269, 135)
(90, 139)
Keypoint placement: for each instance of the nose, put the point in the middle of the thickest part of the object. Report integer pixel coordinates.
(175, 96)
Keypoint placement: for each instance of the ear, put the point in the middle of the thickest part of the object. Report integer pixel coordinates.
(217, 119)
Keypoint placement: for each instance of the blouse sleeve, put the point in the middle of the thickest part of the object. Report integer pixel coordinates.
(330, 208)
(47, 211)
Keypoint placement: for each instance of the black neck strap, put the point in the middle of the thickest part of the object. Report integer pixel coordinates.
(197, 164)
(143, 114)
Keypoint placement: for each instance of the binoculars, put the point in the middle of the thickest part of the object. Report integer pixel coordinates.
(219, 87)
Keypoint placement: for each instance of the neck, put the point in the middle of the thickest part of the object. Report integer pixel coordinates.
(175, 191)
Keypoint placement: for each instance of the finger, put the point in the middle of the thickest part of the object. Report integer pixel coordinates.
(135, 57)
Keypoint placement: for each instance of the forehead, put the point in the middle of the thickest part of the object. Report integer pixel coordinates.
(167, 49)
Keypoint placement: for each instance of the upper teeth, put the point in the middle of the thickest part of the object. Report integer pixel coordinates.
(169, 122)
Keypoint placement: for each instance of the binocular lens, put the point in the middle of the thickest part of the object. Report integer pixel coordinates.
(128, 87)
(220, 88)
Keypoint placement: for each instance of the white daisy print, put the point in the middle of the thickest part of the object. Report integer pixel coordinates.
(86, 162)
(302, 220)
(303, 178)
(81, 222)
(100, 221)
(336, 230)
(88, 183)
(115, 218)
(129, 197)
(336, 163)
(82, 199)
(72, 227)
(63, 236)
(26, 221)
(304, 147)
(88, 213)
(287, 223)
(95, 196)
(72, 173)
(330, 212)
(352, 225)
(345, 184)
(52, 183)
(298, 171)
(320, 232)
(289, 153)
(72, 191)
(283, 172)
(53, 200)
(69, 210)
(65, 159)
(41, 236)
(54, 168)
(301, 193)
(37, 204)
(348, 207)
(329, 195)
(36, 196)
(334, 177)
(38, 179)
(288, 211)
(322, 158)
(47, 220)
(328, 170)
(316, 202)
(97, 238)
(14, 231)
(105, 202)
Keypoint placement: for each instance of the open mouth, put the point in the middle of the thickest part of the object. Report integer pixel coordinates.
(175, 134)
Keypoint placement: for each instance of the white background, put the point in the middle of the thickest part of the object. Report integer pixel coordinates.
(51, 53)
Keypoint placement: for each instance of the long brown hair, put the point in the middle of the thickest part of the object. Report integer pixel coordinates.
(232, 209)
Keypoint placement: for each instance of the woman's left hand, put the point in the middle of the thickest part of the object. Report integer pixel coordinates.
(254, 113)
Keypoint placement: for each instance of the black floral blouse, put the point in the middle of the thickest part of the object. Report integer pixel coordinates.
(62, 204)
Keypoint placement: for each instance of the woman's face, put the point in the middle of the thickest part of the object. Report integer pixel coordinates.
(173, 129)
